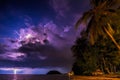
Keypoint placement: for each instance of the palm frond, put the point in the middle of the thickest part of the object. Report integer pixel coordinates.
(100, 18)
(109, 28)
(113, 3)
(109, 3)
(83, 19)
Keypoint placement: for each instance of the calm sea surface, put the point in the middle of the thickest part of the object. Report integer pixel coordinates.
(32, 77)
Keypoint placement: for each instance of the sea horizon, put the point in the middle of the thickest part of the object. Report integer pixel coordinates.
(33, 77)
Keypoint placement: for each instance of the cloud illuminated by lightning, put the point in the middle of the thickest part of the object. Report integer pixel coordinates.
(47, 44)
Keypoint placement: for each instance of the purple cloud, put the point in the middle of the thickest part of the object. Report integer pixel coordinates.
(13, 56)
(47, 44)
(61, 7)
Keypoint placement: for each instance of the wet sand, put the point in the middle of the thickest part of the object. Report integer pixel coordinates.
(95, 78)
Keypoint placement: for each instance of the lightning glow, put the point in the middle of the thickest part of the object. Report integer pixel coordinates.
(43, 41)
(15, 71)
(23, 71)
(28, 36)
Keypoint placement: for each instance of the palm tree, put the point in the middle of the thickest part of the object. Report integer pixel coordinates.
(100, 19)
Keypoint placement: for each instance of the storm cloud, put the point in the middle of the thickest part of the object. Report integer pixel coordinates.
(40, 33)
(44, 46)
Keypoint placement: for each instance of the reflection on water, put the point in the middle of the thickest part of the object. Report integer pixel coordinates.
(15, 77)
(32, 77)
(15, 74)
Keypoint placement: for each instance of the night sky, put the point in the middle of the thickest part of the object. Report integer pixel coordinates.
(47, 29)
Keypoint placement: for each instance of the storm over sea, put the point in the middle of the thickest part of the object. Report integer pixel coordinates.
(32, 77)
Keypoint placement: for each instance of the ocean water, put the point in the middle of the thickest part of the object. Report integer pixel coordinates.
(32, 77)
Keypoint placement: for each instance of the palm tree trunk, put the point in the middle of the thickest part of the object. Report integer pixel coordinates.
(101, 67)
(111, 68)
(114, 69)
(112, 38)
(105, 66)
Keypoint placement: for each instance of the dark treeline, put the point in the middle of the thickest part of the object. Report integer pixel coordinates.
(99, 46)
